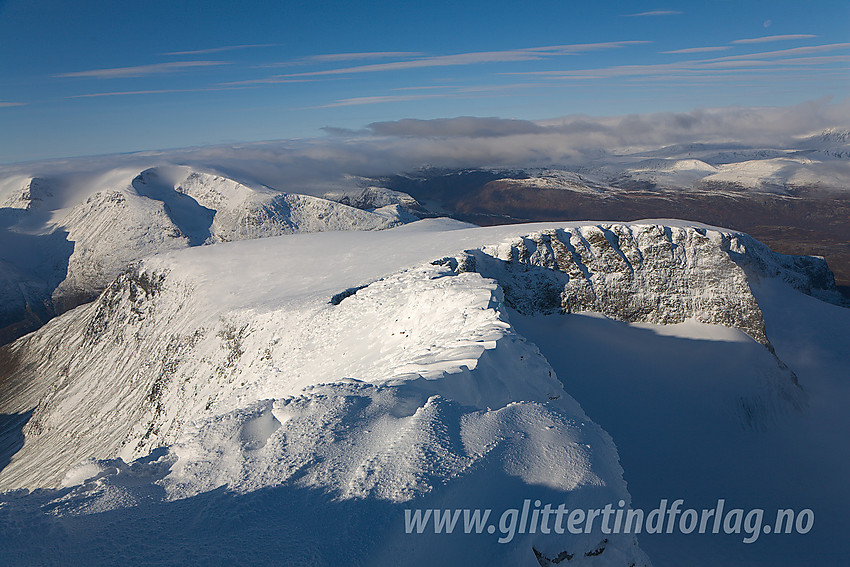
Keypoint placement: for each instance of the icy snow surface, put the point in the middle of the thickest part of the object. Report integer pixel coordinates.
(285, 399)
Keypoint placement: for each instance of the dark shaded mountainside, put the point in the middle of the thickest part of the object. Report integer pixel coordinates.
(800, 221)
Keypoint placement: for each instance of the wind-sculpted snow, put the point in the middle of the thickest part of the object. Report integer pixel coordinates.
(64, 246)
(171, 360)
(378, 368)
(402, 392)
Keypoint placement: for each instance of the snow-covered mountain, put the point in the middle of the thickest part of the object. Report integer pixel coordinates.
(817, 163)
(63, 239)
(288, 397)
(371, 197)
(786, 174)
(307, 389)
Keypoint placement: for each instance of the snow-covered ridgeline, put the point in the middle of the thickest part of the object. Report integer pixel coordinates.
(399, 392)
(155, 328)
(374, 366)
(64, 244)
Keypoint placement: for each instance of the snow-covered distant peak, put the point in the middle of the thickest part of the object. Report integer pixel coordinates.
(373, 197)
(667, 173)
(771, 175)
(835, 136)
(558, 179)
(32, 194)
(673, 165)
(66, 237)
(830, 144)
(209, 189)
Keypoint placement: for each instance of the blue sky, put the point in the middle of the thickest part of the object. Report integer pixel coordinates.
(105, 77)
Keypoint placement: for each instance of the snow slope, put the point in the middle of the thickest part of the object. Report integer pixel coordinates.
(786, 173)
(344, 377)
(63, 239)
(818, 163)
(677, 402)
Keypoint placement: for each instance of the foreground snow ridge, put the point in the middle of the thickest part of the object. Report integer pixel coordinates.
(378, 368)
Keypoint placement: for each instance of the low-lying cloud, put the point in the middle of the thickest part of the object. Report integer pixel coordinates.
(463, 126)
(742, 125)
(382, 148)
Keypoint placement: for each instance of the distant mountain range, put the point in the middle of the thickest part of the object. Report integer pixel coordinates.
(795, 200)
(63, 240)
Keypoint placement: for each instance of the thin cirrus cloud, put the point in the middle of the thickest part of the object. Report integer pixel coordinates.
(141, 70)
(149, 92)
(792, 51)
(221, 49)
(365, 55)
(655, 13)
(699, 49)
(805, 61)
(4, 104)
(449, 92)
(694, 67)
(273, 80)
(526, 54)
(793, 57)
(356, 101)
(769, 38)
(764, 39)
(474, 89)
(339, 57)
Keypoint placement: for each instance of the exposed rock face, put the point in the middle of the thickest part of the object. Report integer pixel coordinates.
(31, 196)
(645, 273)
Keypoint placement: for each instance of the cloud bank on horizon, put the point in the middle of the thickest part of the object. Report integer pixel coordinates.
(389, 147)
(125, 78)
(751, 126)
